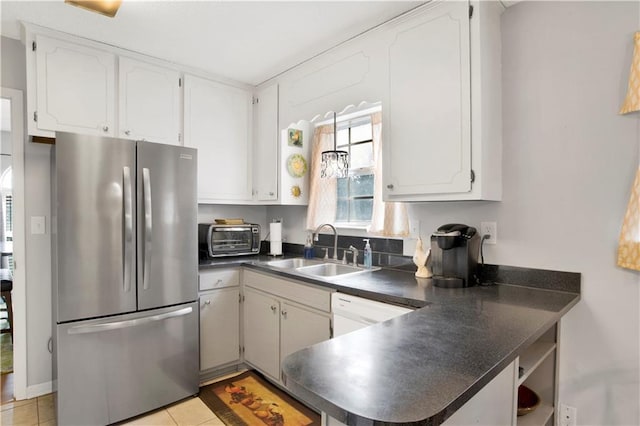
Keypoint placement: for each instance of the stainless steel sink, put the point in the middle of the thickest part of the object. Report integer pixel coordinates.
(330, 270)
(293, 263)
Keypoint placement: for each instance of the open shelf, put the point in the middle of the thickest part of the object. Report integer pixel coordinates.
(539, 417)
(533, 357)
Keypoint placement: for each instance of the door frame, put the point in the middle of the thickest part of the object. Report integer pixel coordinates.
(19, 292)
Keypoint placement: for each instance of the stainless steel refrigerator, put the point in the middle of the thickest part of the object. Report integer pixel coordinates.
(124, 235)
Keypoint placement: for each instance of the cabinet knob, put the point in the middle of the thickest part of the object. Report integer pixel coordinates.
(390, 186)
(271, 193)
(207, 302)
(273, 308)
(284, 314)
(127, 132)
(105, 128)
(219, 282)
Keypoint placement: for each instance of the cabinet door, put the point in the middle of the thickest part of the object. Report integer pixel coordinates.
(300, 328)
(149, 102)
(219, 327)
(75, 88)
(217, 121)
(266, 144)
(261, 332)
(427, 145)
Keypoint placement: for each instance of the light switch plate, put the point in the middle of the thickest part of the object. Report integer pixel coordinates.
(38, 225)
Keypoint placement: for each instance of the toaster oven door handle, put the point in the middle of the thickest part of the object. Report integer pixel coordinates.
(128, 228)
(233, 229)
(148, 226)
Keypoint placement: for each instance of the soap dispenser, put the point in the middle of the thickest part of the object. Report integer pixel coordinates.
(367, 254)
(308, 247)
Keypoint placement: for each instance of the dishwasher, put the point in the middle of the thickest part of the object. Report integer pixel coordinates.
(351, 313)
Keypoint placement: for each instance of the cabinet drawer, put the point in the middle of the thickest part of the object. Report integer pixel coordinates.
(293, 290)
(218, 278)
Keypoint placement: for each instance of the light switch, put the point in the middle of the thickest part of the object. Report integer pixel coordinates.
(37, 225)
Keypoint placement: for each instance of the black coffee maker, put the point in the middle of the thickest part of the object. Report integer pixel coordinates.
(454, 256)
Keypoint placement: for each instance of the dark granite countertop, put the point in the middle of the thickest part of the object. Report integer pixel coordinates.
(421, 367)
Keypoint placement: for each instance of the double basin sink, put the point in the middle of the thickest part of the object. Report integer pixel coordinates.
(321, 269)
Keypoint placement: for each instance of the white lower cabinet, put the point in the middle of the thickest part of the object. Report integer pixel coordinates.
(281, 317)
(261, 331)
(300, 327)
(219, 318)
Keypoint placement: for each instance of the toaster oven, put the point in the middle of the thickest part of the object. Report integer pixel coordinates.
(228, 240)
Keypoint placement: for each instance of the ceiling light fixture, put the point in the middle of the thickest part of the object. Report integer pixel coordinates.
(105, 7)
(335, 164)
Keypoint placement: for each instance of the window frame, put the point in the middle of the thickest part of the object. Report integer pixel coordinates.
(361, 171)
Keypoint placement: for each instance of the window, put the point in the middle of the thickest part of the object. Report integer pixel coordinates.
(355, 192)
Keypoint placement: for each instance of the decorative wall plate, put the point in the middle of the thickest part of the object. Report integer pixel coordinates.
(296, 165)
(295, 137)
(296, 192)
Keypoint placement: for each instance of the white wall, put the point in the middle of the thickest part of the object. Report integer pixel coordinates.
(569, 161)
(38, 247)
(207, 213)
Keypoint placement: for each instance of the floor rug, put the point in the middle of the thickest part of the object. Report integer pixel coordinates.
(249, 399)
(6, 353)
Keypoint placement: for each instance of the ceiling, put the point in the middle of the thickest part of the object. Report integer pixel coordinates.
(248, 41)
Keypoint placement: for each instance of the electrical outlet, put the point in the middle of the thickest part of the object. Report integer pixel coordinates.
(491, 229)
(568, 415)
(414, 226)
(38, 225)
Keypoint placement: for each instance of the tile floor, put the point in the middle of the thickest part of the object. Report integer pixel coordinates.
(39, 412)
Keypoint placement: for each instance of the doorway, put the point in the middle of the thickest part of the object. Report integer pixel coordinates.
(13, 352)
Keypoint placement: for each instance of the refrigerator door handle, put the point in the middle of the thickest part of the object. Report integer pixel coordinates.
(95, 328)
(128, 228)
(148, 226)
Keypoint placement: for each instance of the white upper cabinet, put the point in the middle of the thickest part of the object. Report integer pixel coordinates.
(442, 137)
(149, 102)
(75, 89)
(428, 118)
(217, 121)
(265, 137)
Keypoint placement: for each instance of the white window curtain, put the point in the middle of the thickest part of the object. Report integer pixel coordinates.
(323, 194)
(388, 219)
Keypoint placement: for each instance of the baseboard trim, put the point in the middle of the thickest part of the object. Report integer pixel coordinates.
(39, 389)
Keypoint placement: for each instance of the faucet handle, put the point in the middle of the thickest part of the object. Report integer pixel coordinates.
(355, 255)
(344, 256)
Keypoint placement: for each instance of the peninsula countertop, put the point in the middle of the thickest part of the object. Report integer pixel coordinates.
(423, 366)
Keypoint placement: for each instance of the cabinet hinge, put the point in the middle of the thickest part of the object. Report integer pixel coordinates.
(255, 100)
(179, 82)
(473, 176)
(179, 137)
(241, 350)
(470, 11)
(35, 116)
(34, 46)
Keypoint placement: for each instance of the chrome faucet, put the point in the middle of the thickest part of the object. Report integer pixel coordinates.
(335, 238)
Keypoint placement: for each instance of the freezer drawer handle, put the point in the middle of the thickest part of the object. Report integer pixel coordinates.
(148, 227)
(83, 329)
(128, 228)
